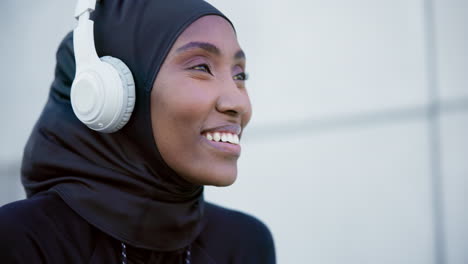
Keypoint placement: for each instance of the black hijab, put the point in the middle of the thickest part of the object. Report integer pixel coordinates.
(119, 182)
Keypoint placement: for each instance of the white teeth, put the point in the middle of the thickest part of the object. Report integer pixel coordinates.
(217, 137)
(230, 138)
(236, 139)
(223, 137)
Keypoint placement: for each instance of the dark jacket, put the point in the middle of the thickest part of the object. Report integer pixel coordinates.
(43, 229)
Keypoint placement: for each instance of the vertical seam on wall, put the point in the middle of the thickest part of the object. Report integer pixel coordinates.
(434, 133)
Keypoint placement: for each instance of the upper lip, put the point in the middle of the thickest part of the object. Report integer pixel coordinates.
(234, 129)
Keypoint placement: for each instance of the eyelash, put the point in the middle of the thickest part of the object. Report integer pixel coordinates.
(206, 68)
(243, 76)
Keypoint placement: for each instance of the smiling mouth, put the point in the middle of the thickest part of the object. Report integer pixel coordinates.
(225, 137)
(224, 142)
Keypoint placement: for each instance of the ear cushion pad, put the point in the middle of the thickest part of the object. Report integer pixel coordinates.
(128, 86)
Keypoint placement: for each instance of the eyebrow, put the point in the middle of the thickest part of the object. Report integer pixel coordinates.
(239, 55)
(209, 48)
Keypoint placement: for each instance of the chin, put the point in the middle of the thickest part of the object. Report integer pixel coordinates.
(221, 178)
(222, 181)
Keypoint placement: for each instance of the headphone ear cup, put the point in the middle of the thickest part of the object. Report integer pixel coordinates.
(128, 88)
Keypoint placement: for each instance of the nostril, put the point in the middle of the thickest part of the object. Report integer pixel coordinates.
(231, 112)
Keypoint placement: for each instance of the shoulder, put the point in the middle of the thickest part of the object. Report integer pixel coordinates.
(20, 212)
(39, 227)
(43, 211)
(26, 217)
(246, 235)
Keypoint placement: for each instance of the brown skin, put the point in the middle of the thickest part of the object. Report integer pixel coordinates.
(195, 90)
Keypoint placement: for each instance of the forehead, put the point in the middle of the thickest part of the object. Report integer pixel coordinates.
(212, 29)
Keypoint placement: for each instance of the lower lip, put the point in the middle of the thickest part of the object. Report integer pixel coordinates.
(228, 148)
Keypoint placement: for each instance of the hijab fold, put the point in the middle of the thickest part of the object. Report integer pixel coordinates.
(119, 182)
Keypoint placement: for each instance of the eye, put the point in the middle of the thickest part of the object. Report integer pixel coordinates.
(202, 67)
(241, 77)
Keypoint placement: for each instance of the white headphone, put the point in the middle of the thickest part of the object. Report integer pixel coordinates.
(103, 91)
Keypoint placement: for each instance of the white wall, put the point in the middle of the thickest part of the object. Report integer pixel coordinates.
(344, 159)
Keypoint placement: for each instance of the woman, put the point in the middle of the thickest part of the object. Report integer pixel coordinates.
(136, 195)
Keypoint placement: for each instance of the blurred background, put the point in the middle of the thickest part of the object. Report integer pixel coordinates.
(357, 151)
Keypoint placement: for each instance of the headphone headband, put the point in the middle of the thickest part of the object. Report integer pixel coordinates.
(83, 6)
(83, 43)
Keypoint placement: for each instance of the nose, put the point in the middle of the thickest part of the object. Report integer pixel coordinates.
(233, 100)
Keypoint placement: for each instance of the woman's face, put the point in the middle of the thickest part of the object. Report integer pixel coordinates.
(198, 96)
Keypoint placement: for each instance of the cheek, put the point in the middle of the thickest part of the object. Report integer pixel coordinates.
(178, 114)
(186, 104)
